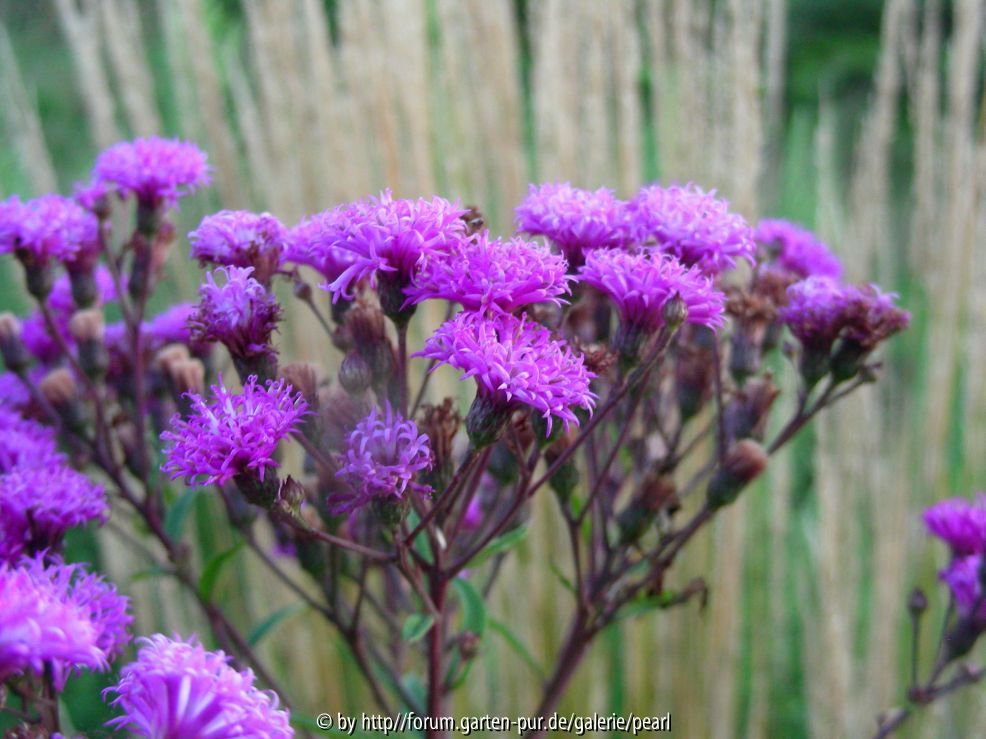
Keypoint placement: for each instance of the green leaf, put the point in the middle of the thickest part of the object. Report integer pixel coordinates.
(473, 608)
(207, 580)
(416, 626)
(174, 519)
(152, 571)
(517, 646)
(267, 625)
(561, 576)
(500, 544)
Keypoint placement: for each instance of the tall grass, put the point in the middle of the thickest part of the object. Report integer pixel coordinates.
(805, 631)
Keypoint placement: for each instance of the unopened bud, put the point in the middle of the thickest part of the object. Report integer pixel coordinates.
(292, 494)
(15, 354)
(485, 420)
(656, 492)
(390, 511)
(440, 423)
(261, 493)
(355, 374)
(918, 602)
(303, 377)
(746, 413)
(675, 312)
(61, 390)
(468, 645)
(302, 290)
(88, 329)
(85, 289)
(744, 463)
(187, 376)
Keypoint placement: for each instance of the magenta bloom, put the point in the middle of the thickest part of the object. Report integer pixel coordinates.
(240, 313)
(575, 220)
(176, 689)
(384, 453)
(13, 393)
(62, 302)
(965, 581)
(514, 361)
(40, 503)
(483, 273)
(692, 225)
(46, 228)
(155, 170)
(238, 238)
(816, 310)
(39, 341)
(236, 434)
(91, 195)
(960, 523)
(171, 326)
(873, 317)
(25, 443)
(797, 249)
(642, 283)
(314, 243)
(58, 615)
(387, 239)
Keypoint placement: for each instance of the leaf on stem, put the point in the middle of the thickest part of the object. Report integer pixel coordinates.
(473, 608)
(210, 574)
(500, 544)
(268, 624)
(416, 626)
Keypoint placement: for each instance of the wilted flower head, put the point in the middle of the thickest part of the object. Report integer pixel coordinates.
(960, 523)
(43, 501)
(314, 243)
(46, 228)
(642, 283)
(59, 615)
(483, 273)
(239, 313)
(238, 238)
(388, 238)
(797, 249)
(155, 170)
(576, 220)
(692, 225)
(235, 434)
(384, 453)
(176, 689)
(873, 317)
(514, 361)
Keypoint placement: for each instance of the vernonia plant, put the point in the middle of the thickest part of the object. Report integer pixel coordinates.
(605, 349)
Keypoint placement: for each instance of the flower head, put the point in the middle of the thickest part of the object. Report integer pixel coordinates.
(692, 225)
(514, 361)
(642, 283)
(177, 689)
(58, 615)
(797, 249)
(155, 170)
(576, 220)
(46, 228)
(239, 313)
(38, 339)
(384, 453)
(387, 239)
(960, 523)
(13, 393)
(62, 301)
(964, 578)
(483, 273)
(235, 434)
(873, 317)
(816, 310)
(40, 503)
(314, 243)
(25, 443)
(171, 326)
(238, 238)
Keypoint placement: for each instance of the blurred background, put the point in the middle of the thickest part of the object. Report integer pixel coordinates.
(860, 118)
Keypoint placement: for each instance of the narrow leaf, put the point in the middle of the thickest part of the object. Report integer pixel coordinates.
(500, 544)
(207, 580)
(517, 646)
(473, 608)
(174, 519)
(268, 624)
(416, 626)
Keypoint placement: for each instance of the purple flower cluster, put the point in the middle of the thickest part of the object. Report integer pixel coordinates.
(483, 273)
(576, 220)
(176, 688)
(239, 313)
(25, 443)
(156, 171)
(237, 238)
(235, 434)
(59, 616)
(384, 453)
(693, 225)
(641, 284)
(46, 228)
(797, 250)
(314, 243)
(514, 361)
(961, 524)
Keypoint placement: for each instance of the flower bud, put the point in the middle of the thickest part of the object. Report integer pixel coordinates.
(88, 328)
(745, 462)
(917, 603)
(366, 333)
(390, 510)
(261, 493)
(746, 413)
(85, 289)
(485, 420)
(15, 354)
(694, 370)
(187, 376)
(303, 377)
(675, 312)
(440, 423)
(656, 492)
(61, 390)
(355, 373)
(168, 355)
(468, 645)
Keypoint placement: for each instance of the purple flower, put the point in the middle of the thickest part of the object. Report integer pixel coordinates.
(13, 393)
(39, 341)
(176, 689)
(387, 239)
(575, 220)
(40, 503)
(46, 228)
(483, 273)
(514, 361)
(963, 577)
(960, 523)
(155, 170)
(170, 326)
(240, 313)
(91, 195)
(384, 453)
(797, 249)
(873, 317)
(63, 303)
(816, 310)
(25, 443)
(58, 615)
(692, 225)
(313, 243)
(238, 238)
(236, 434)
(642, 283)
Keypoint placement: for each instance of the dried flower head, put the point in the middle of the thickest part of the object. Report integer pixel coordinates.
(483, 273)
(692, 225)
(239, 313)
(576, 220)
(960, 523)
(384, 453)
(514, 362)
(238, 238)
(59, 616)
(175, 688)
(157, 171)
(797, 249)
(235, 434)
